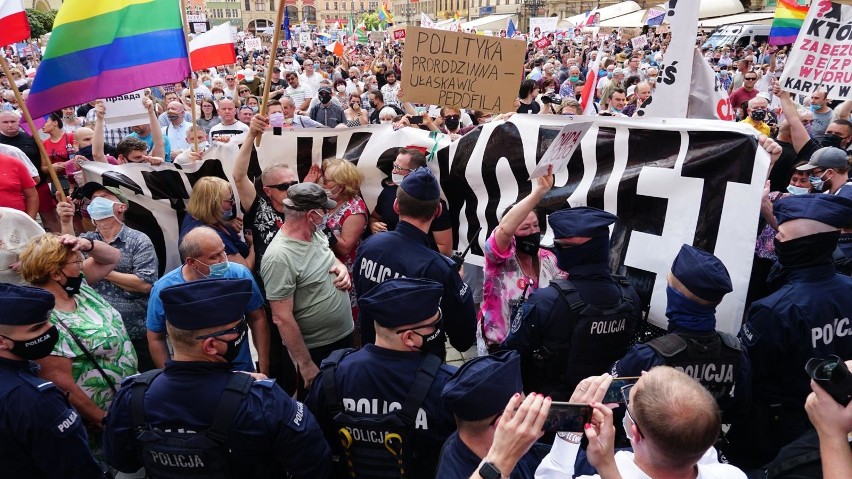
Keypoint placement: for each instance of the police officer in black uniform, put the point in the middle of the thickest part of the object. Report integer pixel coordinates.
(381, 406)
(696, 284)
(575, 328)
(807, 317)
(478, 393)
(197, 416)
(406, 251)
(41, 435)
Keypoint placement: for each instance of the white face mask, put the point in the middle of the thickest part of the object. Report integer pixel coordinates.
(385, 121)
(397, 178)
(341, 88)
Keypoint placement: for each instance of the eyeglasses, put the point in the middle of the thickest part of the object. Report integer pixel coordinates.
(452, 117)
(749, 78)
(283, 186)
(625, 393)
(229, 79)
(436, 324)
(396, 167)
(240, 329)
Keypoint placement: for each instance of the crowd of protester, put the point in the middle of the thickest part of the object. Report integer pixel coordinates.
(312, 270)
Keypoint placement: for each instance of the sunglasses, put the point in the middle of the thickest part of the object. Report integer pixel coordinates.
(240, 328)
(283, 186)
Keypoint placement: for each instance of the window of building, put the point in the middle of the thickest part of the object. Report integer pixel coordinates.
(260, 5)
(248, 5)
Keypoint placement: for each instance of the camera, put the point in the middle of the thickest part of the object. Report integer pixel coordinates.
(551, 99)
(832, 375)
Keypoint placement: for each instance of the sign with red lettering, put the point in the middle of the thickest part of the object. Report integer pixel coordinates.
(821, 58)
(461, 70)
(559, 153)
(399, 34)
(542, 43)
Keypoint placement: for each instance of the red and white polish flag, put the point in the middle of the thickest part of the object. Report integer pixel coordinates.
(14, 26)
(212, 48)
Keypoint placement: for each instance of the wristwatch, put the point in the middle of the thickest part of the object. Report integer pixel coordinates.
(489, 471)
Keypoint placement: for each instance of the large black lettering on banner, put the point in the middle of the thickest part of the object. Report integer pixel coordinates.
(669, 181)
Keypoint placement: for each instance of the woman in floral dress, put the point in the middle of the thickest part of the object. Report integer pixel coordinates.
(84, 320)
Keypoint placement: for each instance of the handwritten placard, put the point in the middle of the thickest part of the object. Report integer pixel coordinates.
(559, 153)
(461, 70)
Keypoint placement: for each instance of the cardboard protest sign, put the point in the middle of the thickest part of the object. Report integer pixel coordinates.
(461, 70)
(125, 110)
(559, 153)
(377, 36)
(639, 42)
(821, 58)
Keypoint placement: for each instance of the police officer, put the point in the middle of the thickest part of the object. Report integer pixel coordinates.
(356, 389)
(406, 252)
(477, 394)
(576, 328)
(41, 435)
(807, 317)
(197, 416)
(696, 284)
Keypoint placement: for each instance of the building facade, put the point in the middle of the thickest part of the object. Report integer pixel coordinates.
(260, 14)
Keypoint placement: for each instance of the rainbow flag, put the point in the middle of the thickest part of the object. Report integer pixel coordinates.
(384, 14)
(789, 17)
(456, 15)
(105, 48)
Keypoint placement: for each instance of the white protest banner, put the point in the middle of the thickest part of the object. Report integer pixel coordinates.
(251, 44)
(639, 42)
(672, 92)
(702, 185)
(461, 70)
(125, 110)
(304, 38)
(561, 150)
(821, 58)
(425, 21)
(542, 25)
(707, 97)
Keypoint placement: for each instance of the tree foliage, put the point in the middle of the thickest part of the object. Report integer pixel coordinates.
(371, 21)
(40, 22)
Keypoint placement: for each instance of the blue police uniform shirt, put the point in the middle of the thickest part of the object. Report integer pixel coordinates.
(405, 252)
(41, 435)
(459, 462)
(271, 432)
(156, 320)
(384, 208)
(375, 380)
(808, 317)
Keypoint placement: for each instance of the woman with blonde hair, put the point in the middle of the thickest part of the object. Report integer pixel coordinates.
(212, 204)
(94, 353)
(348, 220)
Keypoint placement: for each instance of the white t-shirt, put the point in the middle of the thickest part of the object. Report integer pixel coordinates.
(559, 464)
(235, 133)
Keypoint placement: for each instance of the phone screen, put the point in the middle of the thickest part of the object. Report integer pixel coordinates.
(613, 394)
(565, 416)
(415, 120)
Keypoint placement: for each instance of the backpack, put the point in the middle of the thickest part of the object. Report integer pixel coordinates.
(177, 454)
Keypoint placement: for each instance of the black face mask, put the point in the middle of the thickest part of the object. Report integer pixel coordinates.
(325, 99)
(452, 123)
(528, 244)
(758, 115)
(35, 348)
(234, 345)
(830, 140)
(372, 104)
(807, 251)
(596, 250)
(87, 152)
(72, 284)
(432, 342)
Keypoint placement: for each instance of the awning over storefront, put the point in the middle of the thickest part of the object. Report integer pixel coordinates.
(495, 22)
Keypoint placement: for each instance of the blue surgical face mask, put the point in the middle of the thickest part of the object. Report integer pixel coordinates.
(816, 182)
(815, 106)
(797, 190)
(217, 270)
(100, 208)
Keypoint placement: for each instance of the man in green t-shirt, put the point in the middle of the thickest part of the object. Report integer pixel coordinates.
(306, 284)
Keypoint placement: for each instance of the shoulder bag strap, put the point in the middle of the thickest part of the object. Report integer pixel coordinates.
(90, 356)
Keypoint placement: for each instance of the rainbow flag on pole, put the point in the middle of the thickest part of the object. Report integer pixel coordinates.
(104, 48)
(384, 13)
(789, 18)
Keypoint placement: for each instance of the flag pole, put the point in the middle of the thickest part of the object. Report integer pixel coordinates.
(276, 36)
(45, 161)
(191, 71)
